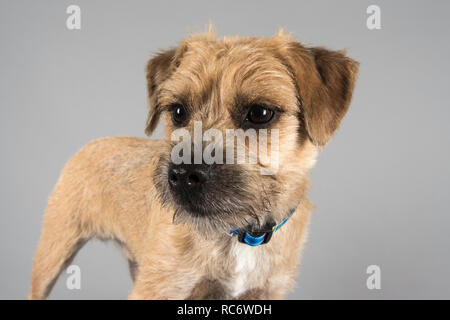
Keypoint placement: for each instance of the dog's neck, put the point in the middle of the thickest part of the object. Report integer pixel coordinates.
(255, 236)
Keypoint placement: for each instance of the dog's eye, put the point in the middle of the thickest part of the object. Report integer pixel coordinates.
(259, 115)
(179, 114)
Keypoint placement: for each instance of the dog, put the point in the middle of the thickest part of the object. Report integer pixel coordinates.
(198, 230)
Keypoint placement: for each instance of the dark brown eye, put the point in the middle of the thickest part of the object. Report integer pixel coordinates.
(179, 114)
(259, 115)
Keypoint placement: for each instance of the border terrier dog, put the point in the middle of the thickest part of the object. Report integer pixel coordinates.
(198, 230)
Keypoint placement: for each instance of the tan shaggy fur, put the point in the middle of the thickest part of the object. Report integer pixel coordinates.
(116, 188)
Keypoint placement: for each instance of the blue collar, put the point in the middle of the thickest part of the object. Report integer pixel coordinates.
(260, 237)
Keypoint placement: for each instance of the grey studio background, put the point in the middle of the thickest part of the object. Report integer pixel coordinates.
(381, 186)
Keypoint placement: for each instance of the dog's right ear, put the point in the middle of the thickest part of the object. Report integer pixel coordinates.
(158, 69)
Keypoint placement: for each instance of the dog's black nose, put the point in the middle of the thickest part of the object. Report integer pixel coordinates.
(188, 175)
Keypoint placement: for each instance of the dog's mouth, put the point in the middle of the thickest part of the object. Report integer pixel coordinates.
(212, 198)
(205, 190)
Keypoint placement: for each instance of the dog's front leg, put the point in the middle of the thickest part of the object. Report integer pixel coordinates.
(159, 283)
(254, 294)
(208, 290)
(203, 290)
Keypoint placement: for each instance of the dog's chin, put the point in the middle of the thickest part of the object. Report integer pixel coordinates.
(203, 225)
(210, 224)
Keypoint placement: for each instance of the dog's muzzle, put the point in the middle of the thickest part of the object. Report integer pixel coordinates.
(188, 177)
(193, 187)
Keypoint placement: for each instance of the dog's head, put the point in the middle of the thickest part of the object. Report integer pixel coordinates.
(284, 99)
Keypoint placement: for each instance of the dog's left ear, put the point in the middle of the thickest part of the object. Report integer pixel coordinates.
(158, 69)
(325, 80)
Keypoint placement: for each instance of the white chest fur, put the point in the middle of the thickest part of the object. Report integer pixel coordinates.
(248, 271)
